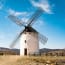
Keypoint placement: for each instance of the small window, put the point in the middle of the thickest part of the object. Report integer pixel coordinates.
(29, 32)
(24, 32)
(25, 41)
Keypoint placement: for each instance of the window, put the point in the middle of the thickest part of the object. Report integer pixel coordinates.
(29, 32)
(25, 41)
(24, 32)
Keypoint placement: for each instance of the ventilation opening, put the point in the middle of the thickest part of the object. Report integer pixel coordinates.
(25, 51)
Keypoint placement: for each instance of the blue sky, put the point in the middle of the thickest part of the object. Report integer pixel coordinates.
(51, 23)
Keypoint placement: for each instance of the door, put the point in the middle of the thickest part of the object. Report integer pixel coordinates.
(25, 51)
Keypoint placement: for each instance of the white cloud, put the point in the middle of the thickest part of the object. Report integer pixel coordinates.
(44, 4)
(15, 13)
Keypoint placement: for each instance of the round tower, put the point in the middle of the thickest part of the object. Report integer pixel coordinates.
(29, 43)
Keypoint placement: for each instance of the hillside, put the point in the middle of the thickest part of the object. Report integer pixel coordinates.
(44, 51)
(8, 51)
(52, 52)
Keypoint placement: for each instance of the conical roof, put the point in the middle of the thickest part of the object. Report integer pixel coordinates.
(29, 29)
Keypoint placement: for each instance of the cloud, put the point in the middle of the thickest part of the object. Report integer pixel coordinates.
(43, 4)
(15, 13)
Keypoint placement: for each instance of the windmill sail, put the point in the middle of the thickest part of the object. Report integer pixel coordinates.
(35, 16)
(16, 20)
(42, 38)
(16, 39)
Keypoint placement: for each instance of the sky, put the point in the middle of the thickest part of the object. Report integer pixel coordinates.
(51, 23)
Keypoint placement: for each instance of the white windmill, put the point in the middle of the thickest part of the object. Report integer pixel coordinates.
(29, 37)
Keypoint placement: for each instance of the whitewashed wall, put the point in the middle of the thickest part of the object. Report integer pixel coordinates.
(32, 42)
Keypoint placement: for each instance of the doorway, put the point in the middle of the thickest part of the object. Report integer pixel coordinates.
(25, 51)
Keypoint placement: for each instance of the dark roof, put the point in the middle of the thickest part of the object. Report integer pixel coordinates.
(29, 29)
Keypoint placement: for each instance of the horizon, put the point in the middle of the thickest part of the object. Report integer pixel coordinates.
(51, 23)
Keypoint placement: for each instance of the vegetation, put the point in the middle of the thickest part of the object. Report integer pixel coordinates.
(32, 60)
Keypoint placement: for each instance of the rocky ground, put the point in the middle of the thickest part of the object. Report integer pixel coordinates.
(31, 60)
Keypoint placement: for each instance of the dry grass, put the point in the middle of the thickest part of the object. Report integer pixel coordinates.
(30, 60)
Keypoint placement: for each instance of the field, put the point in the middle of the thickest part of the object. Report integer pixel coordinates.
(32, 60)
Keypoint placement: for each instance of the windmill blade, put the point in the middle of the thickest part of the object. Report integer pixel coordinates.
(14, 42)
(34, 16)
(42, 38)
(16, 20)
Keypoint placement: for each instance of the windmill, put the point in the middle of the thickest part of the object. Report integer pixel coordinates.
(29, 37)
